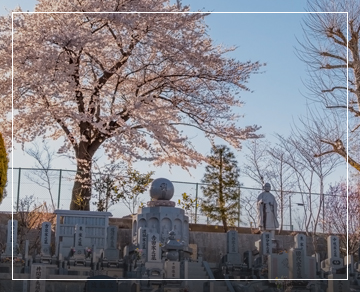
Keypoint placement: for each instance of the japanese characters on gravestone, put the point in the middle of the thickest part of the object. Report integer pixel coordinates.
(333, 247)
(79, 240)
(232, 241)
(333, 260)
(154, 254)
(12, 228)
(266, 243)
(232, 248)
(112, 237)
(142, 239)
(296, 263)
(45, 239)
(38, 272)
(300, 242)
(172, 269)
(111, 252)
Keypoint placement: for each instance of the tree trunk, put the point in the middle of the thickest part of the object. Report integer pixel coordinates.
(81, 192)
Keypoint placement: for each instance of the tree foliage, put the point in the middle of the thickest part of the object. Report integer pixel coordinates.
(3, 168)
(127, 82)
(117, 183)
(222, 188)
(189, 204)
(331, 47)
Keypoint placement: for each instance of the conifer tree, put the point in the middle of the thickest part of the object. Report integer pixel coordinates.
(221, 189)
(3, 168)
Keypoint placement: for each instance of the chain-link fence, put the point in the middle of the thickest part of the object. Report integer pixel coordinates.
(54, 187)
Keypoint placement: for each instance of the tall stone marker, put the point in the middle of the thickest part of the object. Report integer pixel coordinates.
(333, 247)
(232, 248)
(334, 261)
(266, 244)
(12, 228)
(38, 272)
(296, 263)
(300, 242)
(232, 240)
(111, 252)
(45, 239)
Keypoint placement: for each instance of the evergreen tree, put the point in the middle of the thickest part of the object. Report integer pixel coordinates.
(221, 189)
(3, 168)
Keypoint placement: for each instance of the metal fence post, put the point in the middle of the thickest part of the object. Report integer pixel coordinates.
(59, 190)
(196, 201)
(239, 208)
(18, 191)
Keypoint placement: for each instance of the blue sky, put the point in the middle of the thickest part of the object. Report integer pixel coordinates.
(277, 98)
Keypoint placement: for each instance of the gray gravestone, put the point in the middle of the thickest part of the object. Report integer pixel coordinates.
(172, 270)
(38, 272)
(334, 261)
(333, 247)
(45, 239)
(112, 252)
(300, 242)
(111, 237)
(79, 253)
(154, 252)
(296, 263)
(12, 228)
(278, 266)
(266, 243)
(232, 240)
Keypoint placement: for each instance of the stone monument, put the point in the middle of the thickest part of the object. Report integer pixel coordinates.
(161, 232)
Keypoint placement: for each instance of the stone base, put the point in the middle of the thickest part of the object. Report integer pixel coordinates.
(164, 203)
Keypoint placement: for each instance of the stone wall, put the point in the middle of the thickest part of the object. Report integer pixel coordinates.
(210, 240)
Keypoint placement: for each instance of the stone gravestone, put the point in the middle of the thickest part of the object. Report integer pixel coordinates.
(296, 263)
(232, 242)
(102, 283)
(300, 242)
(172, 270)
(264, 245)
(154, 263)
(278, 266)
(334, 261)
(78, 257)
(337, 285)
(154, 252)
(232, 248)
(309, 262)
(12, 228)
(38, 272)
(45, 242)
(111, 253)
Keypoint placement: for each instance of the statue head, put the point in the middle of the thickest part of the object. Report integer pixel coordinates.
(267, 187)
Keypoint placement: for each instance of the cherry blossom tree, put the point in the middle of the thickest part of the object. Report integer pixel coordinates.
(127, 82)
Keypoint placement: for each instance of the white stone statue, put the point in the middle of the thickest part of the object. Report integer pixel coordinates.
(267, 210)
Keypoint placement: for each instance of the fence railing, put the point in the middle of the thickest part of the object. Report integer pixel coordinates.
(54, 186)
